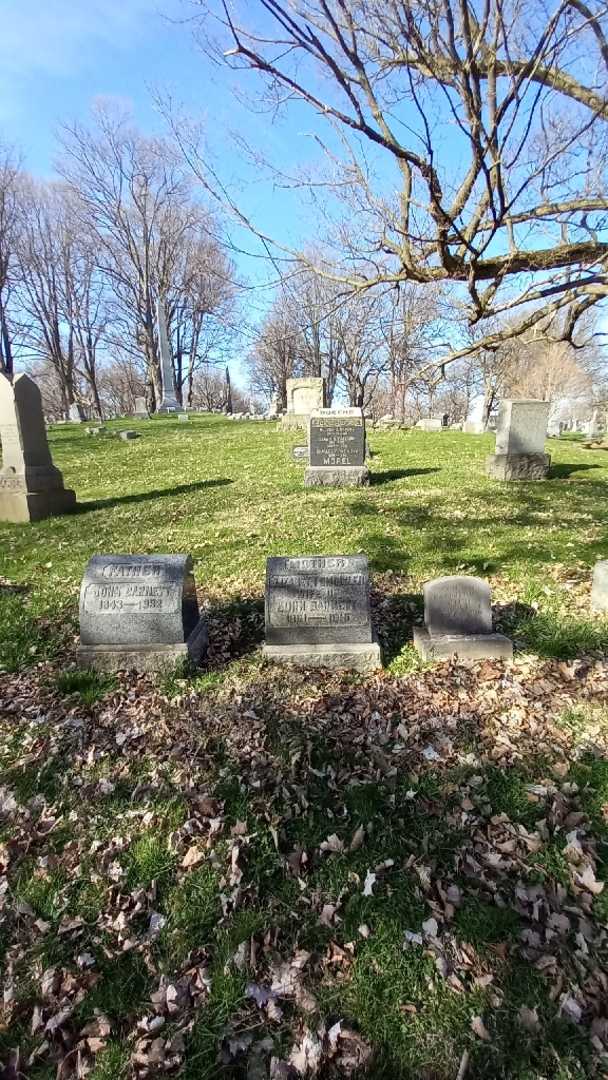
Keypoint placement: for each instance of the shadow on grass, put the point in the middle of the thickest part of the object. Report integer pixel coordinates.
(563, 471)
(389, 475)
(145, 496)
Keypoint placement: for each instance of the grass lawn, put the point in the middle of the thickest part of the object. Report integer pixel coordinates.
(250, 872)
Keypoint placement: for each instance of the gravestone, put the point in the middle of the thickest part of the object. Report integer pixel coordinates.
(304, 396)
(299, 453)
(597, 425)
(458, 621)
(129, 434)
(183, 416)
(431, 423)
(599, 587)
(31, 487)
(474, 423)
(336, 448)
(139, 612)
(99, 430)
(169, 402)
(520, 442)
(318, 613)
(76, 413)
(141, 409)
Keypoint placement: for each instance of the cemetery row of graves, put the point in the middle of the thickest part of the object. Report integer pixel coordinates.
(363, 831)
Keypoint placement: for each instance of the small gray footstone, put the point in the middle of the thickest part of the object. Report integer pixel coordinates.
(339, 476)
(129, 434)
(354, 657)
(300, 453)
(464, 646)
(518, 466)
(599, 587)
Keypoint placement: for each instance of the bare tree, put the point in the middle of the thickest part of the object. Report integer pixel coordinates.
(10, 178)
(491, 129)
(274, 356)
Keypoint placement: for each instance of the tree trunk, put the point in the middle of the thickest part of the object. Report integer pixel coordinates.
(6, 352)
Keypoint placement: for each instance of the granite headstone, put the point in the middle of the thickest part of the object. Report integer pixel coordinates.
(31, 487)
(599, 588)
(520, 442)
(139, 611)
(303, 397)
(458, 621)
(318, 612)
(337, 448)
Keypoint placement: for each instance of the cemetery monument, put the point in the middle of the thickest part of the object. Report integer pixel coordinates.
(141, 409)
(169, 402)
(139, 612)
(458, 621)
(520, 442)
(599, 588)
(317, 612)
(31, 487)
(336, 449)
(303, 397)
(76, 413)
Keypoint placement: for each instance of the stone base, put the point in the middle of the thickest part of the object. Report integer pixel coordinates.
(471, 646)
(289, 421)
(336, 476)
(22, 506)
(155, 657)
(518, 466)
(356, 657)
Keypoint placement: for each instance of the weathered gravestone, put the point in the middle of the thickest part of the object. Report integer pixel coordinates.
(183, 416)
(336, 448)
(520, 442)
(431, 423)
(141, 409)
(303, 397)
(129, 434)
(318, 612)
(31, 487)
(139, 612)
(77, 413)
(299, 453)
(599, 588)
(169, 402)
(458, 621)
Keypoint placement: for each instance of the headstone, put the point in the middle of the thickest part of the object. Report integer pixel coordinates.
(318, 612)
(99, 430)
(31, 487)
(77, 413)
(141, 409)
(599, 587)
(183, 416)
(520, 442)
(597, 424)
(458, 621)
(129, 434)
(139, 612)
(169, 402)
(431, 423)
(304, 396)
(300, 453)
(336, 447)
(474, 423)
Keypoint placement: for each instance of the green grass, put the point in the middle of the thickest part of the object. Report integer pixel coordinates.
(231, 495)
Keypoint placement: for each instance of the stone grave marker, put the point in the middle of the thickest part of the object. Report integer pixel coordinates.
(337, 448)
(129, 434)
(139, 612)
(431, 423)
(31, 487)
(458, 621)
(318, 613)
(76, 413)
(169, 402)
(520, 442)
(183, 416)
(599, 587)
(303, 397)
(300, 453)
(141, 409)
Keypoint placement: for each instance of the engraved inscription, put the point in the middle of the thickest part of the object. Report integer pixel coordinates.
(102, 599)
(312, 599)
(336, 442)
(128, 571)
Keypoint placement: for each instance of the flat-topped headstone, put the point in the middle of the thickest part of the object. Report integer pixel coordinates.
(141, 409)
(303, 397)
(31, 487)
(521, 430)
(337, 448)
(458, 621)
(183, 416)
(128, 434)
(318, 612)
(599, 587)
(139, 611)
(431, 423)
